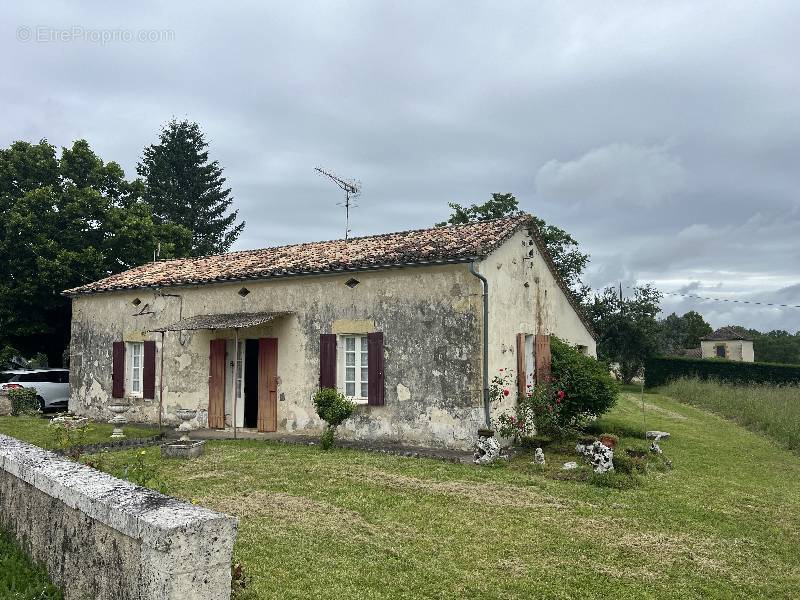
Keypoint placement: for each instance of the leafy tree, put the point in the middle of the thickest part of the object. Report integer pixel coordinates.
(65, 221)
(677, 333)
(187, 189)
(569, 261)
(627, 328)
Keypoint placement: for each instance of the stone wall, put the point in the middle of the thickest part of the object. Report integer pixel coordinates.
(102, 538)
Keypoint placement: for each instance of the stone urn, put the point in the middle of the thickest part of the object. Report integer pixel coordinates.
(118, 420)
(185, 415)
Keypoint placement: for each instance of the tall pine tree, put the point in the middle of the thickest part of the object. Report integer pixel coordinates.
(187, 189)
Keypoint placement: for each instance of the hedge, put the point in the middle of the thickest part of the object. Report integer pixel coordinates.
(660, 370)
(23, 401)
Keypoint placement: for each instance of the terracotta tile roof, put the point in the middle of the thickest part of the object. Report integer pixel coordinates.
(725, 334)
(439, 245)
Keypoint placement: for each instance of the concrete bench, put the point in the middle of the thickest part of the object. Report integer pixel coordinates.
(103, 538)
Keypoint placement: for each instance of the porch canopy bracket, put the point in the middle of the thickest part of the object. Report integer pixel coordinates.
(222, 321)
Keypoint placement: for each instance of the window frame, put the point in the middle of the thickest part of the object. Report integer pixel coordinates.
(360, 366)
(724, 348)
(131, 369)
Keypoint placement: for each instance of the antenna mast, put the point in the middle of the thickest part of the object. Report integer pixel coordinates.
(351, 189)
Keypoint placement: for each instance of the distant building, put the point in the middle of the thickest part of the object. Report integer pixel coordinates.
(727, 343)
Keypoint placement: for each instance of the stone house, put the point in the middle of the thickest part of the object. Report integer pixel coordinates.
(410, 325)
(727, 343)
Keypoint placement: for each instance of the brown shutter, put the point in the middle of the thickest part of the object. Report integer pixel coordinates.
(521, 375)
(118, 370)
(149, 370)
(216, 384)
(327, 360)
(268, 384)
(543, 359)
(375, 383)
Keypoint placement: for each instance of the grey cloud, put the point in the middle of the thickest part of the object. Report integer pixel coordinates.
(663, 136)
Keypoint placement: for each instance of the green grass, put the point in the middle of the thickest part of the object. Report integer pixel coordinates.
(35, 430)
(19, 578)
(724, 523)
(768, 409)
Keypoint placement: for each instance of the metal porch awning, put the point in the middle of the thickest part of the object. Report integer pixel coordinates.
(222, 321)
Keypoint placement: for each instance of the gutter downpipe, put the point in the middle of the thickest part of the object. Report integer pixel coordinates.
(161, 386)
(485, 284)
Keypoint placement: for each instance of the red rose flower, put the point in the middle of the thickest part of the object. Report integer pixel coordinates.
(506, 392)
(561, 394)
(558, 400)
(501, 370)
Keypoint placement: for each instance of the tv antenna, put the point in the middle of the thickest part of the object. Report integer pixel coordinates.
(352, 190)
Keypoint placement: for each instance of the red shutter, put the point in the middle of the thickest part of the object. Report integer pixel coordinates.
(521, 375)
(149, 370)
(118, 370)
(543, 358)
(327, 360)
(268, 384)
(216, 384)
(375, 382)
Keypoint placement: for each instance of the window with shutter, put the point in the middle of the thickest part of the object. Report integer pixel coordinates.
(327, 360)
(376, 393)
(118, 370)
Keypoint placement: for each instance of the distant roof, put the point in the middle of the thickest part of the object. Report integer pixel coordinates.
(438, 245)
(725, 334)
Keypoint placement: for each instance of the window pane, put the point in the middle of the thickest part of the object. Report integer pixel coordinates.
(350, 374)
(364, 392)
(364, 358)
(350, 389)
(364, 373)
(350, 359)
(363, 344)
(350, 344)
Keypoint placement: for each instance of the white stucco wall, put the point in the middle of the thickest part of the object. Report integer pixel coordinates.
(430, 317)
(738, 350)
(542, 307)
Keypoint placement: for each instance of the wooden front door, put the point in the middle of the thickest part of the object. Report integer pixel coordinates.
(216, 384)
(268, 384)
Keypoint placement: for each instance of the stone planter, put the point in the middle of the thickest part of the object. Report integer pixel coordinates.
(118, 420)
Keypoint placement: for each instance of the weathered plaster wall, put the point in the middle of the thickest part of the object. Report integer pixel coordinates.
(100, 537)
(541, 307)
(430, 317)
(739, 350)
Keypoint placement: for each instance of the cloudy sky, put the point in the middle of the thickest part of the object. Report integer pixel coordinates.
(665, 136)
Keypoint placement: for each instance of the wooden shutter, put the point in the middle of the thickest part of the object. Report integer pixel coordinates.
(375, 383)
(521, 375)
(149, 370)
(118, 370)
(268, 384)
(543, 359)
(327, 360)
(216, 384)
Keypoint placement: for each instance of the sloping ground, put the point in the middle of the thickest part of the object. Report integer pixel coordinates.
(20, 579)
(725, 523)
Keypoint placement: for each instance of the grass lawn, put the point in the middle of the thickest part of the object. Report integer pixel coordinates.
(19, 578)
(35, 430)
(724, 523)
(769, 409)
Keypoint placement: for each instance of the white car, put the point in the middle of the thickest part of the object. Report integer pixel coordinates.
(51, 385)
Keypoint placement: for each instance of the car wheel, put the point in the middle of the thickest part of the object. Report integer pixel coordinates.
(41, 404)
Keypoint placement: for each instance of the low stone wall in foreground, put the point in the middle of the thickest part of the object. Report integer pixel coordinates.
(103, 538)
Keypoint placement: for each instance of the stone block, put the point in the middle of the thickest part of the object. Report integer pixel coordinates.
(103, 538)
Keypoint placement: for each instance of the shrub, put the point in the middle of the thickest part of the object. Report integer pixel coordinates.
(588, 388)
(23, 401)
(143, 474)
(660, 370)
(333, 408)
(69, 438)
